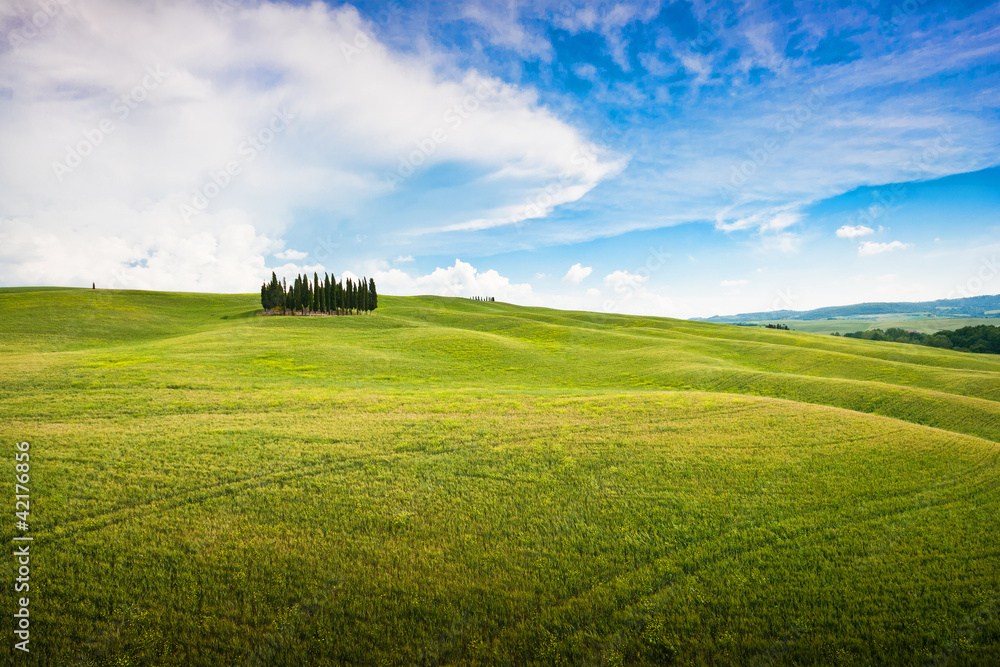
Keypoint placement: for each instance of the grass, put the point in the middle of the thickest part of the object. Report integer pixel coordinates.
(457, 482)
(908, 322)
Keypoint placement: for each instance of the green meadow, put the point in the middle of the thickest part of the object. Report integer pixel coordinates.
(909, 322)
(452, 482)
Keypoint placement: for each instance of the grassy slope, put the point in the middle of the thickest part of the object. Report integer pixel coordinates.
(461, 482)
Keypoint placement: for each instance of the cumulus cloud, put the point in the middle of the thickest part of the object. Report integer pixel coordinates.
(733, 283)
(849, 232)
(291, 254)
(120, 115)
(461, 279)
(629, 293)
(624, 280)
(873, 248)
(577, 273)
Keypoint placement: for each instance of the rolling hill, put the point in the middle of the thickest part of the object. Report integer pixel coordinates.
(459, 482)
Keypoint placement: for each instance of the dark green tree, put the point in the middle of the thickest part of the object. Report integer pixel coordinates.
(315, 294)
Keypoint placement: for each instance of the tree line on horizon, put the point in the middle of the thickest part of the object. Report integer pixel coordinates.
(325, 295)
(982, 338)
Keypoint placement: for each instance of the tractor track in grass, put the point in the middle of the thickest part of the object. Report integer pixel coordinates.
(98, 521)
(672, 578)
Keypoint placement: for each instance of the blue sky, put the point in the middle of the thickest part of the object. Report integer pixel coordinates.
(671, 158)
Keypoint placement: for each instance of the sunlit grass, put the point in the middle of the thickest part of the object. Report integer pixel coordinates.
(454, 482)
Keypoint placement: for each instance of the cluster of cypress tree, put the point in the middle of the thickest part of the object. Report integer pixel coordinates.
(321, 295)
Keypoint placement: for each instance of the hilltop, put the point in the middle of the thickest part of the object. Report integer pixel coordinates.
(452, 481)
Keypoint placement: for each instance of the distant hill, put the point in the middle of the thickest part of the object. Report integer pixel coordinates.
(974, 306)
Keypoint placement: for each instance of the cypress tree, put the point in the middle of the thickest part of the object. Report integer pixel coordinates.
(315, 299)
(307, 297)
(372, 295)
(326, 291)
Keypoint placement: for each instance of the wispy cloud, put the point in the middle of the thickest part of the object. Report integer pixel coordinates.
(873, 248)
(850, 232)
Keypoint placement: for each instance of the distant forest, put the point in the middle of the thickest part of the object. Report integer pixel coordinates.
(325, 296)
(982, 338)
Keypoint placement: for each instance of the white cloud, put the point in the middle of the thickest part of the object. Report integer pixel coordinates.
(403, 260)
(780, 221)
(630, 294)
(873, 248)
(504, 28)
(462, 279)
(775, 220)
(291, 254)
(785, 242)
(577, 273)
(162, 97)
(623, 280)
(585, 71)
(734, 283)
(849, 232)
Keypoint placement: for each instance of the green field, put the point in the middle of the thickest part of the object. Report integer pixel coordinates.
(453, 482)
(908, 322)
